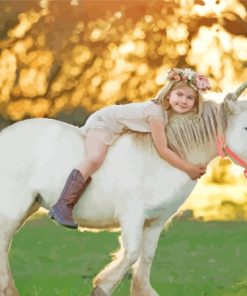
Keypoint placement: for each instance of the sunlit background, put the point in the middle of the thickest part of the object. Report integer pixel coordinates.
(66, 59)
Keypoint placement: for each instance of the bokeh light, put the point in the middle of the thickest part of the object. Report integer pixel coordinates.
(72, 55)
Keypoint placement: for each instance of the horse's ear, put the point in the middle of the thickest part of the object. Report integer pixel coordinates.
(231, 104)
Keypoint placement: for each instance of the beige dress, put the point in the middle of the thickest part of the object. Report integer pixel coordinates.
(109, 122)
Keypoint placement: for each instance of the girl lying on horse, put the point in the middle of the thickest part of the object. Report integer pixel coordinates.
(182, 94)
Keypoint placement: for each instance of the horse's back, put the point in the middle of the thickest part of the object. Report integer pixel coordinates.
(29, 141)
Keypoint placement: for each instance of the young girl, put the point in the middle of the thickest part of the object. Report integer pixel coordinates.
(180, 95)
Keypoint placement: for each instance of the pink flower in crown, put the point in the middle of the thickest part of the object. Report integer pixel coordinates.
(202, 82)
(173, 75)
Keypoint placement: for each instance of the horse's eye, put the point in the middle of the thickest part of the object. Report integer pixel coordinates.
(245, 128)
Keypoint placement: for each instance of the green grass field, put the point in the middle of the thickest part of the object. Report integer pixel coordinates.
(192, 259)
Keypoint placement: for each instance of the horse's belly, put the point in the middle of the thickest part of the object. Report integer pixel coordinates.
(96, 213)
(99, 205)
(159, 199)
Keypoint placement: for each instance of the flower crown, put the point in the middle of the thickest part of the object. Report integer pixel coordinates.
(197, 81)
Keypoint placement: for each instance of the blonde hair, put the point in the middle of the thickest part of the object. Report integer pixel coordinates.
(162, 96)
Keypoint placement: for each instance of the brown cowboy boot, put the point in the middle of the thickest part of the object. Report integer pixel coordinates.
(61, 212)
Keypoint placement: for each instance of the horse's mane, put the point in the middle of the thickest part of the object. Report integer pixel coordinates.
(186, 133)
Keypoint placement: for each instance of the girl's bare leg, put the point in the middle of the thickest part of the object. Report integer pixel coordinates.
(96, 152)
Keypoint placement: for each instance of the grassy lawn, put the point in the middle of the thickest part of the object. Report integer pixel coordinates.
(192, 259)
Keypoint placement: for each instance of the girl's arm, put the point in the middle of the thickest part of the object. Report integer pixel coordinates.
(160, 142)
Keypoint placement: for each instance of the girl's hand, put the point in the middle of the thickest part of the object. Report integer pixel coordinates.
(196, 171)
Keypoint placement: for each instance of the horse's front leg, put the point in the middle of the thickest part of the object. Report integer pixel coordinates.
(131, 236)
(141, 269)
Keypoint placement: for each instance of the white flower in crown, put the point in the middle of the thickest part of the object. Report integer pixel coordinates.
(189, 73)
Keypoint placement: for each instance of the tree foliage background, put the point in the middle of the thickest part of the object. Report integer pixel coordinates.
(74, 57)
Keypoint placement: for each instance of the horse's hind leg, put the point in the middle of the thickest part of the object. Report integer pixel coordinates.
(141, 269)
(8, 227)
(7, 230)
(131, 235)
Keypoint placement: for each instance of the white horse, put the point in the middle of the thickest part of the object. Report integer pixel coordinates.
(134, 189)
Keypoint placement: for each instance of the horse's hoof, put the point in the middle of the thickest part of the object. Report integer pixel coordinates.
(97, 291)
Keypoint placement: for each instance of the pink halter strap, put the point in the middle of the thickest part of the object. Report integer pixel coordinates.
(224, 150)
